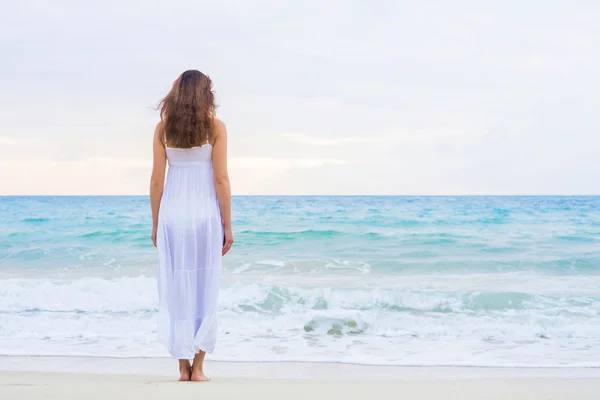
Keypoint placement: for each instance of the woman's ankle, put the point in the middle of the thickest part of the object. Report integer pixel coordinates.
(198, 368)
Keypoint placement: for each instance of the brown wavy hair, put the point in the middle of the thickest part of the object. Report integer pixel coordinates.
(187, 112)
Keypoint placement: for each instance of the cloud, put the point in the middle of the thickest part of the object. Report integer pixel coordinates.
(320, 97)
(322, 141)
(16, 141)
(283, 163)
(424, 136)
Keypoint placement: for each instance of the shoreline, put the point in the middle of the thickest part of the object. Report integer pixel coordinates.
(166, 367)
(71, 386)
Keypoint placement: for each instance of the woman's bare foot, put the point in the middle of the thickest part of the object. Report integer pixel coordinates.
(185, 369)
(198, 376)
(197, 368)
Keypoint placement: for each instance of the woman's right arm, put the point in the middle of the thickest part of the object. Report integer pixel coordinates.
(157, 180)
(221, 178)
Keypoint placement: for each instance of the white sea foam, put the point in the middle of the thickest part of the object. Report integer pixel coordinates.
(273, 263)
(363, 324)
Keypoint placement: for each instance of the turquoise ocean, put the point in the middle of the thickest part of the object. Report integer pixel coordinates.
(414, 281)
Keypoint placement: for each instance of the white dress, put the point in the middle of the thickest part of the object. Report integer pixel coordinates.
(189, 241)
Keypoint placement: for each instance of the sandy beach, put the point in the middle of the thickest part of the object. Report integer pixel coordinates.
(65, 386)
(108, 378)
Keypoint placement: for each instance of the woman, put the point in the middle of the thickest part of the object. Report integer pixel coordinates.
(191, 219)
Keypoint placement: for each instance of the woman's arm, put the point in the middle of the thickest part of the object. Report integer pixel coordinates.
(221, 178)
(157, 181)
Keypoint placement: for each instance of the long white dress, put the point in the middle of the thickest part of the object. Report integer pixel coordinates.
(189, 241)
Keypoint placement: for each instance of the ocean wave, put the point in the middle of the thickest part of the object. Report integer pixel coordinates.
(583, 238)
(138, 294)
(35, 220)
(114, 234)
(293, 235)
(383, 280)
(117, 317)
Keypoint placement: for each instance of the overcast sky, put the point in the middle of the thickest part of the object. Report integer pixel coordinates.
(319, 97)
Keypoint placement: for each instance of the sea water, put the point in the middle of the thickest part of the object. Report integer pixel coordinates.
(427, 281)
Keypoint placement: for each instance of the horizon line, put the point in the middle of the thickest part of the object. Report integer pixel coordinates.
(317, 195)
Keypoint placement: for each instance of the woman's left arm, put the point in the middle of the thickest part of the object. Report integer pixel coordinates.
(157, 181)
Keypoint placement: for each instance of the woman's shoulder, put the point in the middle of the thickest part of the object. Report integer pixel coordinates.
(218, 123)
(159, 131)
(219, 127)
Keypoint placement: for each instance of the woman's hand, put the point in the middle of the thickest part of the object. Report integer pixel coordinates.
(227, 240)
(154, 230)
